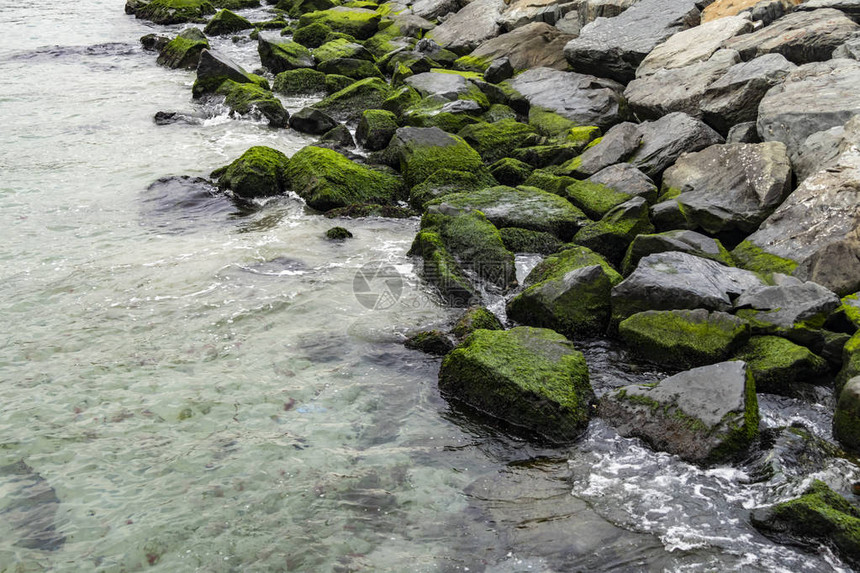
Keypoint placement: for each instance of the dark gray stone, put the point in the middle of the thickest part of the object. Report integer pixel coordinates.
(665, 139)
(745, 132)
(212, 69)
(499, 70)
(280, 55)
(789, 304)
(313, 121)
(625, 178)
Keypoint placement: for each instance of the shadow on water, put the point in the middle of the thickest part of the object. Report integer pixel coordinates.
(183, 204)
(30, 507)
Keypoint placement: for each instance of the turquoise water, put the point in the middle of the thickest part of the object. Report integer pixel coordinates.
(196, 388)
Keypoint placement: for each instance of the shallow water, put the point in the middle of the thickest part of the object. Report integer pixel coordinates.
(195, 387)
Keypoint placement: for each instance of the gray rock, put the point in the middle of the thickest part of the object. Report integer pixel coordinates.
(769, 11)
(614, 47)
(680, 240)
(850, 8)
(677, 89)
(411, 25)
(442, 86)
(625, 178)
(213, 69)
(707, 414)
(846, 419)
(280, 55)
(789, 304)
(338, 138)
(569, 24)
(499, 70)
(433, 9)
(850, 49)
(734, 97)
(823, 148)
(591, 10)
(732, 187)
(665, 139)
(468, 28)
(313, 121)
(522, 12)
(801, 37)
(535, 45)
(812, 98)
(675, 280)
(613, 233)
(745, 132)
(584, 99)
(619, 143)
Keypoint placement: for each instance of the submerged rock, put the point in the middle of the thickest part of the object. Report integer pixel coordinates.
(531, 378)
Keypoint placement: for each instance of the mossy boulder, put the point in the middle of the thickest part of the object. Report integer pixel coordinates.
(525, 241)
(434, 115)
(357, 22)
(340, 48)
(226, 22)
(846, 419)
(401, 99)
(325, 179)
(684, 338)
(184, 50)
(820, 516)
(175, 11)
(531, 378)
(849, 311)
(299, 82)
(375, 129)
(494, 141)
(335, 83)
(214, 69)
(705, 415)
(679, 240)
(350, 102)
(568, 292)
(338, 234)
(594, 199)
(295, 8)
(548, 181)
(338, 137)
(776, 363)
(431, 342)
(476, 318)
(419, 152)
(612, 235)
(523, 207)
(550, 154)
(245, 99)
(260, 172)
(281, 55)
(850, 362)
(509, 171)
(312, 36)
(351, 68)
(445, 182)
(549, 123)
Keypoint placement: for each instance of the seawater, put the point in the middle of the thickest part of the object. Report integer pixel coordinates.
(197, 388)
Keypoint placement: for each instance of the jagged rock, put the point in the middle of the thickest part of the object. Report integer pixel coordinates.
(375, 129)
(745, 132)
(442, 86)
(477, 22)
(614, 47)
(777, 363)
(665, 139)
(849, 49)
(433, 9)
(476, 317)
(430, 342)
(734, 97)
(822, 149)
(675, 280)
(801, 37)
(226, 22)
(624, 178)
(613, 233)
(683, 241)
(520, 13)
(790, 304)
(338, 138)
(535, 45)
(341, 48)
(350, 102)
(591, 10)
(705, 415)
(313, 121)
(619, 143)
(587, 100)
(532, 378)
(499, 70)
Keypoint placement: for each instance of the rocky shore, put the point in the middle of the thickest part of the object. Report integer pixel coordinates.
(688, 171)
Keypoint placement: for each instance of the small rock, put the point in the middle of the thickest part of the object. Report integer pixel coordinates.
(338, 234)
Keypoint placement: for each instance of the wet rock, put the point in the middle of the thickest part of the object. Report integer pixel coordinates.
(587, 100)
(299, 82)
(531, 378)
(442, 86)
(312, 36)
(419, 151)
(226, 22)
(846, 419)
(614, 47)
(734, 97)
(359, 23)
(675, 280)
(594, 199)
(433, 9)
(260, 172)
(822, 149)
(341, 48)
(184, 50)
(613, 233)
(850, 362)
(790, 304)
(497, 140)
(350, 102)
(617, 146)
(280, 55)
(765, 11)
(154, 42)
(591, 10)
(214, 69)
(30, 508)
(338, 234)
(624, 178)
(375, 129)
(183, 204)
(745, 132)
(524, 241)
(468, 28)
(567, 292)
(789, 454)
(510, 171)
(535, 45)
(683, 241)
(173, 11)
(247, 99)
(351, 68)
(801, 37)
(664, 140)
(499, 70)
(430, 342)
(338, 137)
(476, 317)
(777, 363)
(704, 415)
(313, 121)
(170, 117)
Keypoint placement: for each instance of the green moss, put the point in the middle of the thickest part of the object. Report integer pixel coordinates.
(175, 11)
(351, 68)
(210, 84)
(751, 257)
(341, 48)
(509, 171)
(375, 129)
(226, 22)
(259, 172)
(382, 42)
(444, 182)
(467, 75)
(325, 179)
(776, 362)
(528, 377)
(282, 56)
(401, 99)
(556, 184)
(472, 64)
(364, 210)
(431, 342)
(235, 4)
(184, 50)
(648, 244)
(312, 36)
(249, 98)
(351, 101)
(400, 73)
(417, 161)
(612, 235)
(476, 318)
(850, 362)
(335, 83)
(295, 8)
(549, 123)
(846, 418)
(338, 234)
(494, 141)
(498, 112)
(594, 199)
(299, 82)
(525, 241)
(850, 310)
(585, 136)
(358, 23)
(446, 121)
(545, 155)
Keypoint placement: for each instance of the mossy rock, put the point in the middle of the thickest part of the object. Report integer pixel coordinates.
(184, 50)
(357, 22)
(531, 378)
(544, 179)
(247, 99)
(351, 68)
(325, 179)
(548, 123)
(350, 102)
(678, 240)
(338, 234)
(594, 199)
(299, 82)
(175, 11)
(260, 172)
(335, 83)
(820, 516)
(444, 182)
(749, 256)
(526, 241)
(341, 48)
(776, 363)
(338, 137)
(441, 269)
(476, 318)
(423, 116)
(540, 156)
(226, 22)
(280, 56)
(364, 210)
(494, 141)
(850, 362)
(585, 136)
(213, 70)
(419, 152)
(375, 129)
(474, 64)
(509, 171)
(684, 338)
(312, 36)
(401, 99)
(431, 342)
(235, 4)
(295, 8)
(846, 418)
(498, 112)
(612, 235)
(386, 40)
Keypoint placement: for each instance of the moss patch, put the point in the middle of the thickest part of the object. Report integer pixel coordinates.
(444, 182)
(184, 50)
(473, 319)
(525, 241)
(299, 82)
(549, 123)
(250, 98)
(359, 23)
(259, 172)
(753, 258)
(226, 22)
(350, 102)
(494, 141)
(776, 362)
(594, 199)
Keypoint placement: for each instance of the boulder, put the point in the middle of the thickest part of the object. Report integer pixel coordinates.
(280, 55)
(591, 10)
(419, 151)
(524, 241)
(535, 45)
(445, 182)
(664, 140)
(325, 179)
(814, 233)
(259, 172)
(494, 141)
(790, 304)
(430, 342)
(351, 68)
(612, 234)
(822, 149)
(499, 70)
(704, 415)
(624, 178)
(676, 280)
(446, 87)
(477, 22)
(734, 97)
(777, 363)
(745, 132)
(350, 102)
(510, 171)
(252, 100)
(214, 69)
(341, 48)
(299, 82)
(595, 199)
(683, 338)
(312, 36)
(375, 129)
(360, 23)
(849, 49)
(614, 47)
(617, 146)
(801, 37)
(313, 121)
(567, 292)
(850, 363)
(475, 318)
(682, 241)
(226, 22)
(584, 99)
(184, 50)
(531, 378)
(167, 12)
(338, 138)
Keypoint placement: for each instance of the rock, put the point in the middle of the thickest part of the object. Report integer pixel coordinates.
(820, 516)
(313, 121)
(612, 234)
(325, 179)
(684, 338)
(520, 13)
(595, 199)
(692, 46)
(477, 22)
(849, 49)
(535, 45)
(814, 97)
(675, 280)
(296, 8)
(335, 83)
(760, 10)
(279, 55)
(524, 241)
(299, 82)
(430, 342)
(253, 100)
(444, 182)
(618, 145)
(591, 10)
(259, 172)
(677, 89)
(213, 70)
(337, 138)
(813, 235)
(226, 22)
(341, 48)
(801, 37)
(734, 97)
(366, 210)
(624, 178)
(531, 378)
(561, 129)
(359, 23)
(447, 87)
(731, 187)
(745, 132)
(777, 363)
(184, 50)
(850, 8)
(166, 12)
(476, 317)
(822, 149)
(312, 36)
(665, 139)
(494, 141)
(614, 47)
(850, 363)
(790, 454)
(350, 102)
(790, 304)
(154, 42)
(567, 292)
(510, 171)
(375, 129)
(525, 208)
(338, 234)
(586, 100)
(846, 419)
(704, 415)
(417, 152)
(433, 9)
(499, 70)
(682, 241)
(351, 68)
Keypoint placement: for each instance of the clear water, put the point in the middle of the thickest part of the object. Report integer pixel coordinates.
(196, 388)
